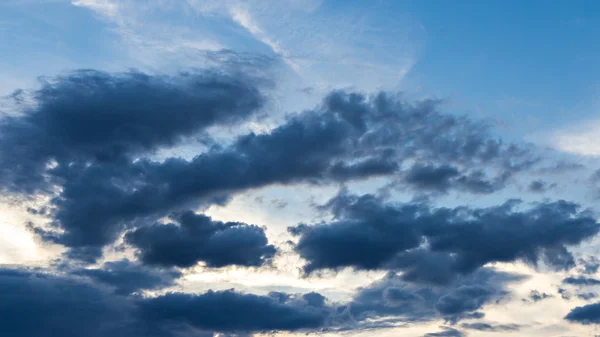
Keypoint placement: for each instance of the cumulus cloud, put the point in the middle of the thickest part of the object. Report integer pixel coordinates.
(197, 238)
(540, 186)
(562, 166)
(491, 327)
(443, 178)
(587, 296)
(68, 309)
(587, 314)
(536, 296)
(86, 143)
(590, 264)
(91, 116)
(129, 277)
(368, 233)
(228, 311)
(397, 300)
(107, 184)
(55, 305)
(585, 281)
(463, 299)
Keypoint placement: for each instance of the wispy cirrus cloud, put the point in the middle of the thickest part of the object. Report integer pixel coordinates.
(323, 44)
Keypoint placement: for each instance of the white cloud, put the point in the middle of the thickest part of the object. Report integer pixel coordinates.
(152, 40)
(105, 7)
(366, 48)
(583, 140)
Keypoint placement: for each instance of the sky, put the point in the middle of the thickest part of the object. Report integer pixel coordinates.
(237, 168)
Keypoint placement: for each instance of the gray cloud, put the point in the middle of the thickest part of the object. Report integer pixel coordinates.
(587, 314)
(35, 303)
(90, 116)
(536, 296)
(108, 185)
(584, 281)
(368, 233)
(198, 238)
(491, 327)
(540, 186)
(394, 299)
(446, 332)
(128, 277)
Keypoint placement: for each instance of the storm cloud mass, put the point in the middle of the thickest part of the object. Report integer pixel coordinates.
(199, 238)
(128, 277)
(81, 155)
(73, 307)
(89, 115)
(368, 233)
(587, 314)
(398, 300)
(104, 188)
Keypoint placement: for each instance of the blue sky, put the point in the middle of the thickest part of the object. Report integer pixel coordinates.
(532, 66)
(515, 60)
(483, 102)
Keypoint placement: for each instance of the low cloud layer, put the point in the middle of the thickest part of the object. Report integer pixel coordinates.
(369, 233)
(106, 182)
(59, 306)
(587, 314)
(81, 157)
(492, 328)
(89, 116)
(128, 277)
(397, 300)
(197, 238)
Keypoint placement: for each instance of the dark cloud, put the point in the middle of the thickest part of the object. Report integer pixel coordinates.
(446, 332)
(536, 296)
(540, 186)
(394, 299)
(97, 201)
(587, 314)
(368, 233)
(464, 299)
(34, 303)
(37, 304)
(92, 116)
(587, 296)
(87, 142)
(419, 131)
(428, 177)
(583, 281)
(443, 178)
(129, 277)
(492, 328)
(314, 299)
(590, 264)
(107, 183)
(197, 238)
(421, 265)
(567, 295)
(564, 294)
(561, 167)
(228, 311)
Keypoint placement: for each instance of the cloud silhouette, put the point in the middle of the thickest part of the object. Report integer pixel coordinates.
(367, 233)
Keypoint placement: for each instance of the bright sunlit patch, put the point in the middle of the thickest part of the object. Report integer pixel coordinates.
(106, 7)
(17, 245)
(583, 139)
